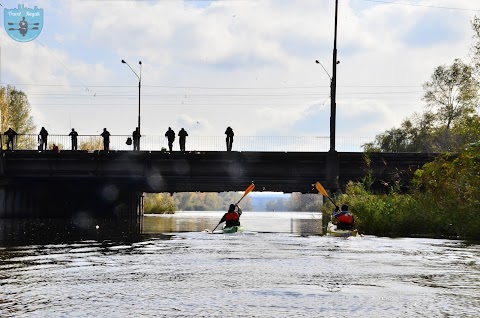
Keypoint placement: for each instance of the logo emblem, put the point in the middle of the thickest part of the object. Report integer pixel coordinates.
(23, 24)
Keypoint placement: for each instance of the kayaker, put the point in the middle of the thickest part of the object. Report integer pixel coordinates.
(232, 217)
(345, 219)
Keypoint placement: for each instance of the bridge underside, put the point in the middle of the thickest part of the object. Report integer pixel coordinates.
(113, 183)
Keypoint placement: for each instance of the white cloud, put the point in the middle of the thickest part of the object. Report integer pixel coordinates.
(248, 64)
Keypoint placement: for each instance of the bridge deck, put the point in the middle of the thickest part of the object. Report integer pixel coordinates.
(217, 171)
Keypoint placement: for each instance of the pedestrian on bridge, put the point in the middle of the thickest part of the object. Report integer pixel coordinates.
(229, 133)
(106, 139)
(11, 136)
(170, 134)
(74, 136)
(182, 134)
(42, 138)
(136, 139)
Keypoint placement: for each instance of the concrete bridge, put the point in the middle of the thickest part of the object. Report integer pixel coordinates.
(60, 183)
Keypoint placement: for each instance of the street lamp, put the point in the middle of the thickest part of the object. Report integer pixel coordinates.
(332, 158)
(139, 86)
(333, 89)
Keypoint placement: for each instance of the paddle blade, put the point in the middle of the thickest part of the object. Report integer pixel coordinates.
(249, 189)
(321, 189)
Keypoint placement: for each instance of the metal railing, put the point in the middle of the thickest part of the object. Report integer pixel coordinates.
(198, 143)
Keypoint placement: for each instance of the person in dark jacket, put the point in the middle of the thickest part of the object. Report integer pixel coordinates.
(345, 220)
(106, 139)
(43, 135)
(170, 134)
(11, 136)
(136, 139)
(232, 217)
(74, 136)
(182, 134)
(229, 139)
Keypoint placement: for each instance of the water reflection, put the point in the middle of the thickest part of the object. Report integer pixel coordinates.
(47, 231)
(81, 227)
(301, 223)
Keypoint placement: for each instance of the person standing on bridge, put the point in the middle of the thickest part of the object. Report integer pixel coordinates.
(170, 134)
(136, 139)
(11, 136)
(229, 140)
(43, 135)
(182, 134)
(74, 136)
(345, 219)
(106, 139)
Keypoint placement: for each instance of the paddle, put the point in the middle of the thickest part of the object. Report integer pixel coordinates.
(247, 191)
(322, 190)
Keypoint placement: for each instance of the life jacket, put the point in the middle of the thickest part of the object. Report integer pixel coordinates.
(232, 218)
(345, 218)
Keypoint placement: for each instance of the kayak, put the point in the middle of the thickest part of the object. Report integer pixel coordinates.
(233, 229)
(332, 231)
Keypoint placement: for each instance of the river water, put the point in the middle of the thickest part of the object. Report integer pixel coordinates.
(281, 266)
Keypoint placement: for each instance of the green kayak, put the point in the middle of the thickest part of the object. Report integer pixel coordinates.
(332, 231)
(233, 229)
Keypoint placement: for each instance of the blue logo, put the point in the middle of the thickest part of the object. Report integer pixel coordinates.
(23, 24)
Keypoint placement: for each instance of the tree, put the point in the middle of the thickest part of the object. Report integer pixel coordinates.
(452, 92)
(307, 202)
(159, 203)
(414, 135)
(16, 113)
(92, 143)
(476, 42)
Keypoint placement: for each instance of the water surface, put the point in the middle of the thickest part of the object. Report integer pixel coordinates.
(280, 267)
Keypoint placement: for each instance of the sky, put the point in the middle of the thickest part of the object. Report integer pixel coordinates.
(248, 64)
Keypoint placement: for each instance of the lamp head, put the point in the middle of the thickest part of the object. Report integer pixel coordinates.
(316, 61)
(140, 62)
(123, 61)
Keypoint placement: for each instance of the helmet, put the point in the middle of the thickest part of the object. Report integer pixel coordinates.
(344, 207)
(232, 207)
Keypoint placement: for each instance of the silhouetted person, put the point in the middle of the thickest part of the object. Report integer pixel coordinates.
(229, 140)
(43, 135)
(170, 134)
(136, 139)
(182, 134)
(106, 139)
(74, 136)
(11, 136)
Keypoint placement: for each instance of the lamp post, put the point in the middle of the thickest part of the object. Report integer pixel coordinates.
(332, 161)
(139, 87)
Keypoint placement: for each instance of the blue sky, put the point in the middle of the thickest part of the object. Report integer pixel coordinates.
(249, 64)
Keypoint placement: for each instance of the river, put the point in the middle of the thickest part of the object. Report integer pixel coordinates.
(281, 266)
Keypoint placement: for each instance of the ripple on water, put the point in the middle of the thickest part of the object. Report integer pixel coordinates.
(256, 275)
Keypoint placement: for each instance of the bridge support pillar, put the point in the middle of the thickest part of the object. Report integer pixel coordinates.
(69, 201)
(333, 171)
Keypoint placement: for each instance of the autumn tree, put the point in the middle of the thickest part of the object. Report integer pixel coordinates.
(16, 114)
(452, 92)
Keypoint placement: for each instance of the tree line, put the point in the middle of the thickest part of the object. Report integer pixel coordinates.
(443, 199)
(198, 201)
(450, 118)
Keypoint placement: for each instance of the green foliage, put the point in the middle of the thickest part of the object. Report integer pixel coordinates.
(193, 201)
(305, 202)
(159, 203)
(16, 113)
(445, 201)
(452, 92)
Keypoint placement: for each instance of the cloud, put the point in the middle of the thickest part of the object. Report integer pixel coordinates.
(248, 64)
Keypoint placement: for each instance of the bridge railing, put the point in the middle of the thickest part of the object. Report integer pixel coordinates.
(198, 143)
